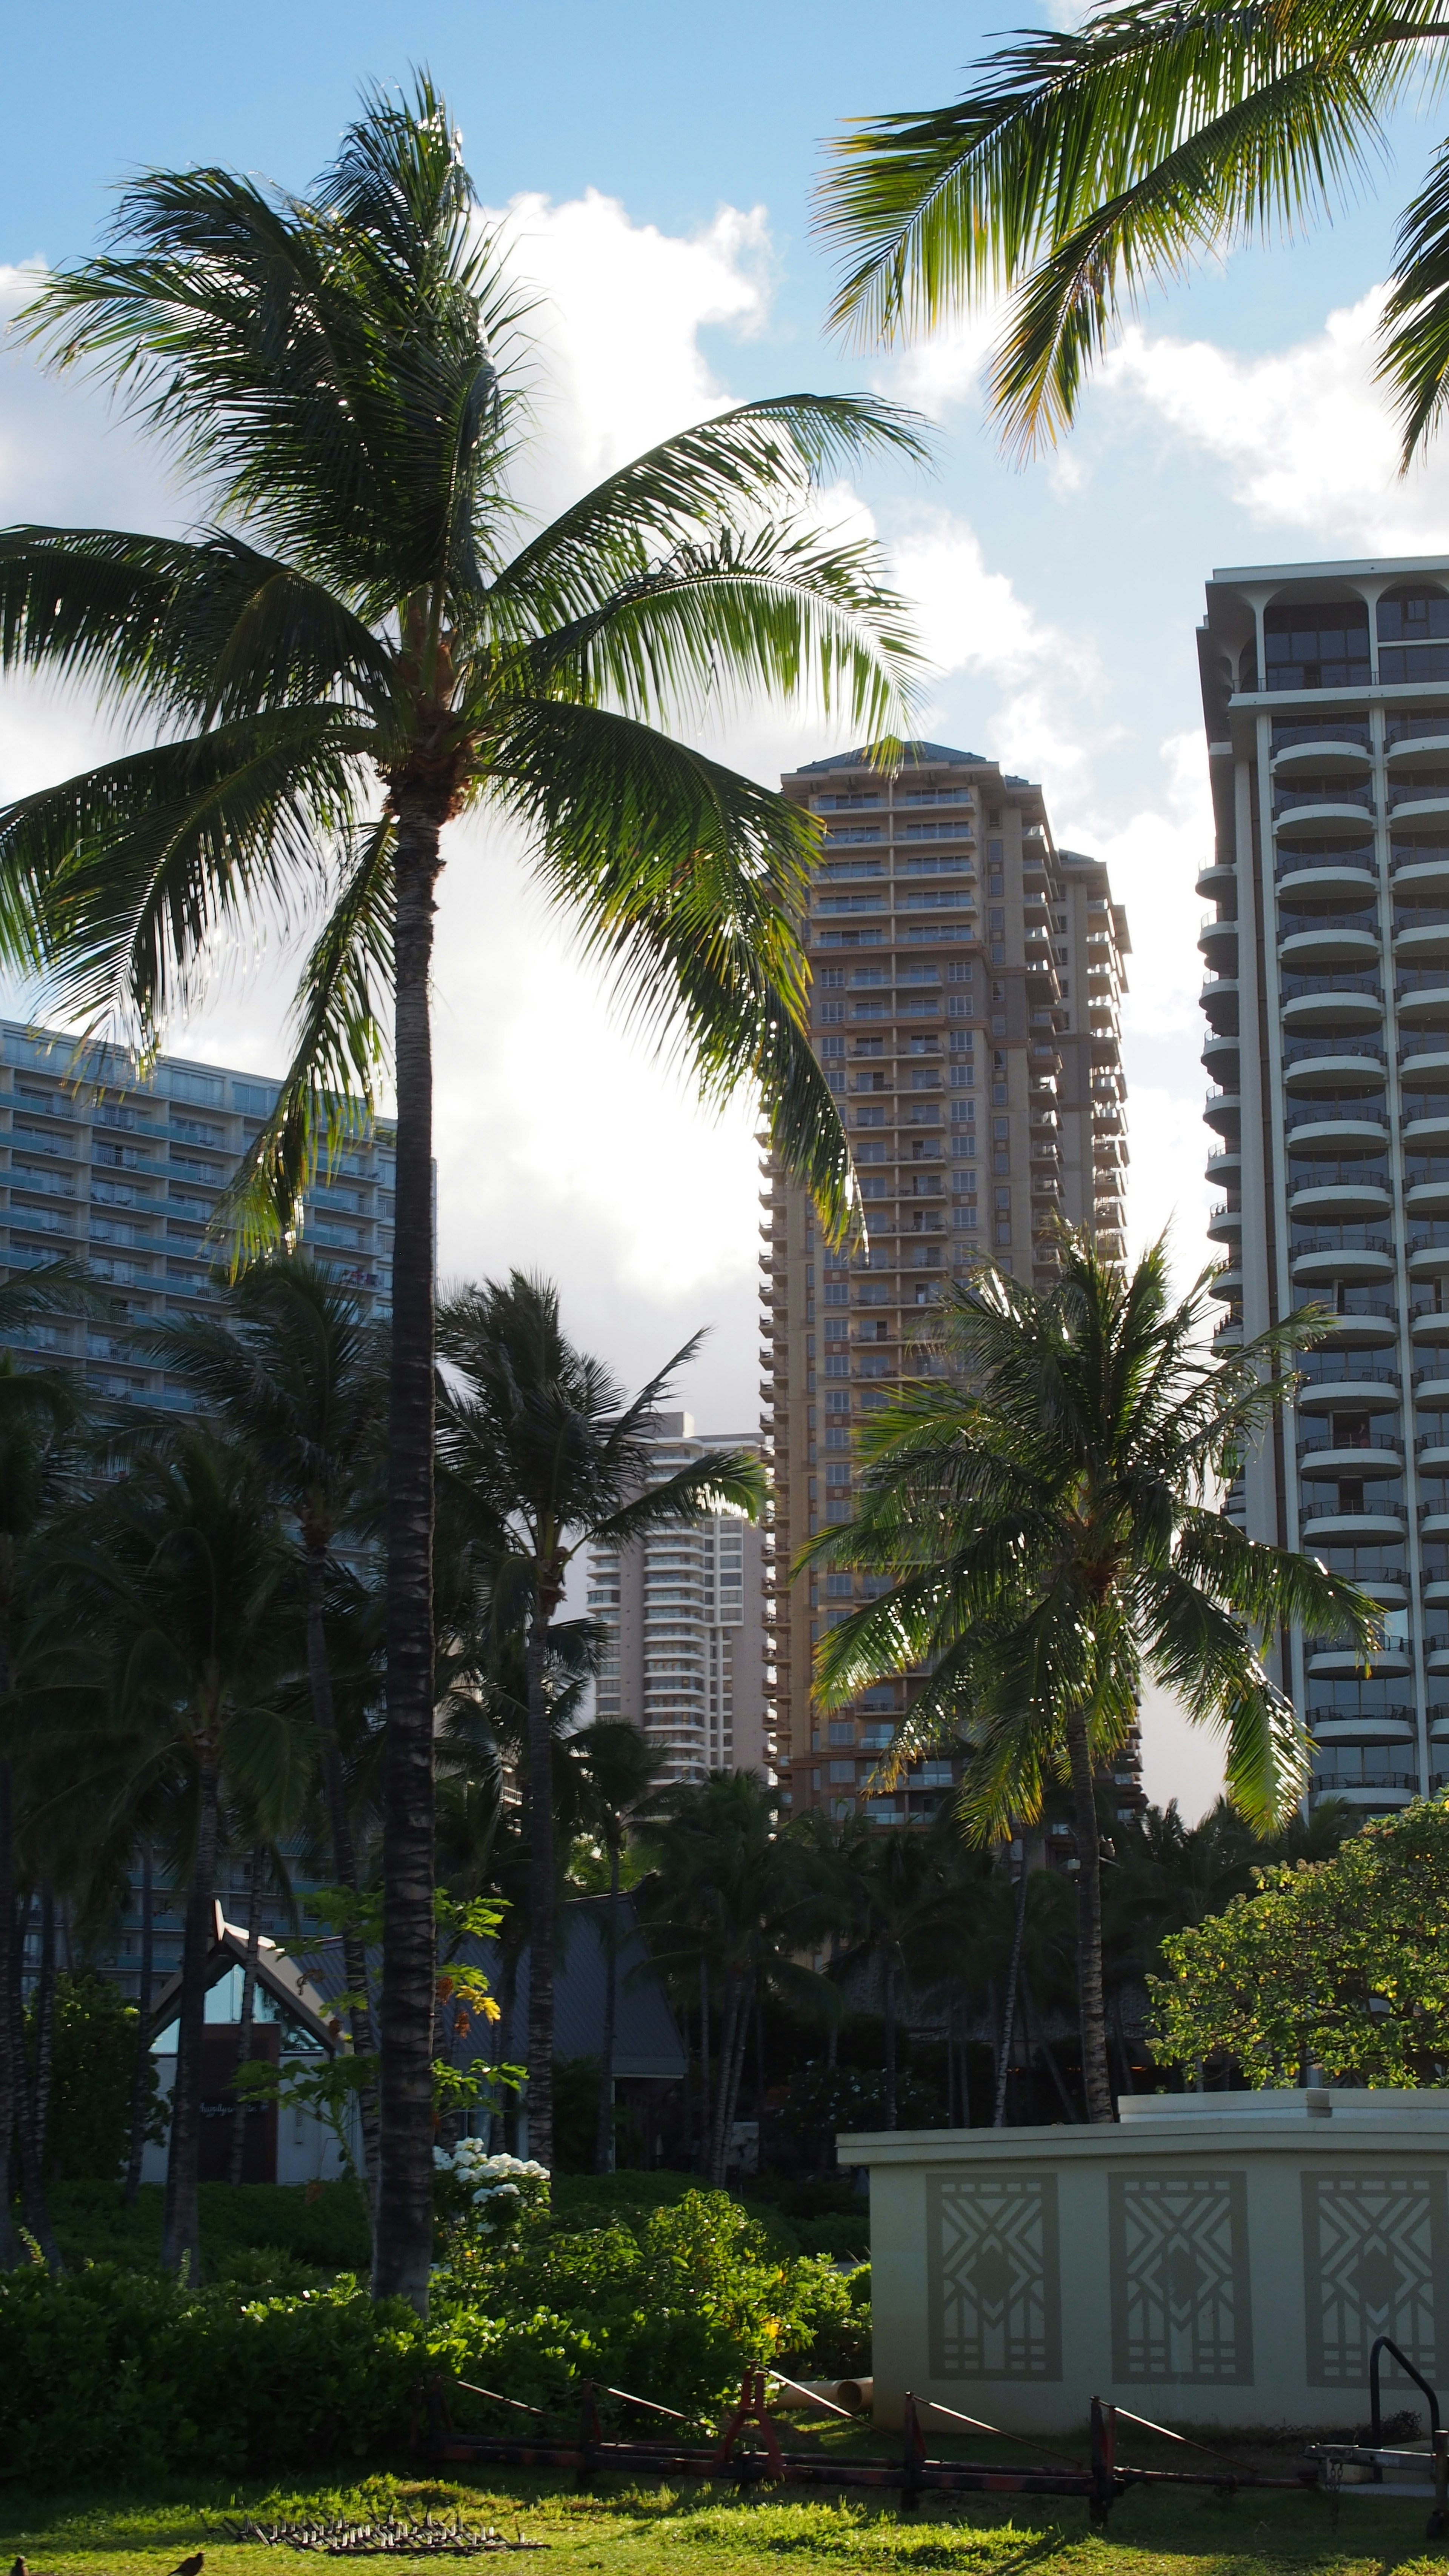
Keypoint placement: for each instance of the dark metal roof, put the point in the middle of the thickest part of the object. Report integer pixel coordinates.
(915, 754)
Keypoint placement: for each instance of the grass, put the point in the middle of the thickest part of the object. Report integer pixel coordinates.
(648, 2533)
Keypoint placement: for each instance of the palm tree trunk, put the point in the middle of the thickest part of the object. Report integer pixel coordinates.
(44, 2021)
(1036, 2037)
(890, 2041)
(141, 2073)
(344, 1849)
(181, 2236)
(720, 2127)
(604, 2140)
(34, 2205)
(540, 1895)
(1096, 2080)
(730, 2105)
(1018, 1934)
(705, 2131)
(9, 2064)
(248, 2012)
(403, 2237)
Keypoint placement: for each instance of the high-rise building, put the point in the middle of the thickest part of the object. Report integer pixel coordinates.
(1326, 696)
(967, 983)
(124, 1174)
(685, 1607)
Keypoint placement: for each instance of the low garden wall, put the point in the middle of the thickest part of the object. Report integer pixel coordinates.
(1217, 2258)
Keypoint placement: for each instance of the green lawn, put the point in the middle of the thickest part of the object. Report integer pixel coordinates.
(647, 2534)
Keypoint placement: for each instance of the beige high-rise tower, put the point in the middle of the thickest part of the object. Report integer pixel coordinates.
(967, 977)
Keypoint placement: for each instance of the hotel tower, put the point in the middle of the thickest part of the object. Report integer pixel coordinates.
(1326, 696)
(967, 979)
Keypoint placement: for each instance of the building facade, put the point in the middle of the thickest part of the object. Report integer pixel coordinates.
(123, 1175)
(685, 1611)
(967, 979)
(1326, 697)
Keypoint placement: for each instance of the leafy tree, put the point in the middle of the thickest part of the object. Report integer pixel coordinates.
(620, 1768)
(1341, 1963)
(1046, 1520)
(94, 2049)
(344, 660)
(186, 1577)
(731, 1893)
(1082, 167)
(898, 1904)
(541, 1451)
(292, 1368)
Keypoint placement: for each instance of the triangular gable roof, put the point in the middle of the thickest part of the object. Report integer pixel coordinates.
(277, 1973)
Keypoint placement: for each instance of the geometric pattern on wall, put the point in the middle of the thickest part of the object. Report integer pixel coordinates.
(1374, 2262)
(994, 2276)
(1178, 2251)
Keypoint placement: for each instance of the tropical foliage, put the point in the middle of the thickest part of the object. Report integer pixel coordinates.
(1341, 1963)
(1046, 1520)
(1084, 166)
(361, 642)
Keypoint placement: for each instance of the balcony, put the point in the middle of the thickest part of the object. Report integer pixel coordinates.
(1323, 1004)
(1218, 1000)
(1367, 1455)
(1334, 1068)
(1218, 940)
(1328, 1527)
(1336, 1126)
(1319, 1194)
(1362, 1322)
(1224, 1165)
(1420, 875)
(1418, 800)
(1225, 1224)
(1220, 1058)
(1222, 1110)
(1428, 1251)
(1217, 881)
(1325, 805)
(1335, 742)
(1423, 999)
(1318, 876)
(1337, 940)
(1342, 1252)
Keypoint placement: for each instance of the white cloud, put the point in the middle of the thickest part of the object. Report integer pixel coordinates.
(1305, 434)
(1155, 856)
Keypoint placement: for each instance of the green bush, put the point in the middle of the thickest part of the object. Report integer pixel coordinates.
(92, 2070)
(121, 2375)
(323, 2225)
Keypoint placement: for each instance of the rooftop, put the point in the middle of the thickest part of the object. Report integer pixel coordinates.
(914, 754)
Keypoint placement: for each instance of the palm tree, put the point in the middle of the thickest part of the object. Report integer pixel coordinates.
(1081, 168)
(732, 1894)
(346, 658)
(187, 1576)
(620, 1767)
(1047, 1522)
(1084, 169)
(541, 1452)
(292, 1368)
(900, 1908)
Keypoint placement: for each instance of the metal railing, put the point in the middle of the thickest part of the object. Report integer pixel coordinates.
(1293, 862)
(1295, 986)
(1363, 1444)
(1341, 1238)
(1320, 1113)
(1289, 800)
(1298, 1050)
(1285, 736)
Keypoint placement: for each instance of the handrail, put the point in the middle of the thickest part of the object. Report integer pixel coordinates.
(1382, 2343)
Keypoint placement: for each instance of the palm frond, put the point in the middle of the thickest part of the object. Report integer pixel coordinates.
(340, 1047)
(678, 874)
(115, 885)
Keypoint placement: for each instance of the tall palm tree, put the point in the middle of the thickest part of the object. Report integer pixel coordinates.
(542, 1452)
(292, 1368)
(347, 657)
(1047, 1520)
(1080, 168)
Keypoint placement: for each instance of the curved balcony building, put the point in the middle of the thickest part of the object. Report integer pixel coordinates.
(1326, 1009)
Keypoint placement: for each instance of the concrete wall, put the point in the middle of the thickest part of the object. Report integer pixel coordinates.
(1219, 2258)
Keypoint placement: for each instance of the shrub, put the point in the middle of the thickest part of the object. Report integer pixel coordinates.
(109, 2374)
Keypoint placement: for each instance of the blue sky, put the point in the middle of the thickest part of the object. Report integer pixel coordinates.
(654, 167)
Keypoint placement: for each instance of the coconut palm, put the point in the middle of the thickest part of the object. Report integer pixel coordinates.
(542, 1452)
(347, 657)
(291, 1367)
(1081, 167)
(1047, 1522)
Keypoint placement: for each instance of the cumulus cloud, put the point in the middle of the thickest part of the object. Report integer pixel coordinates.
(1304, 433)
